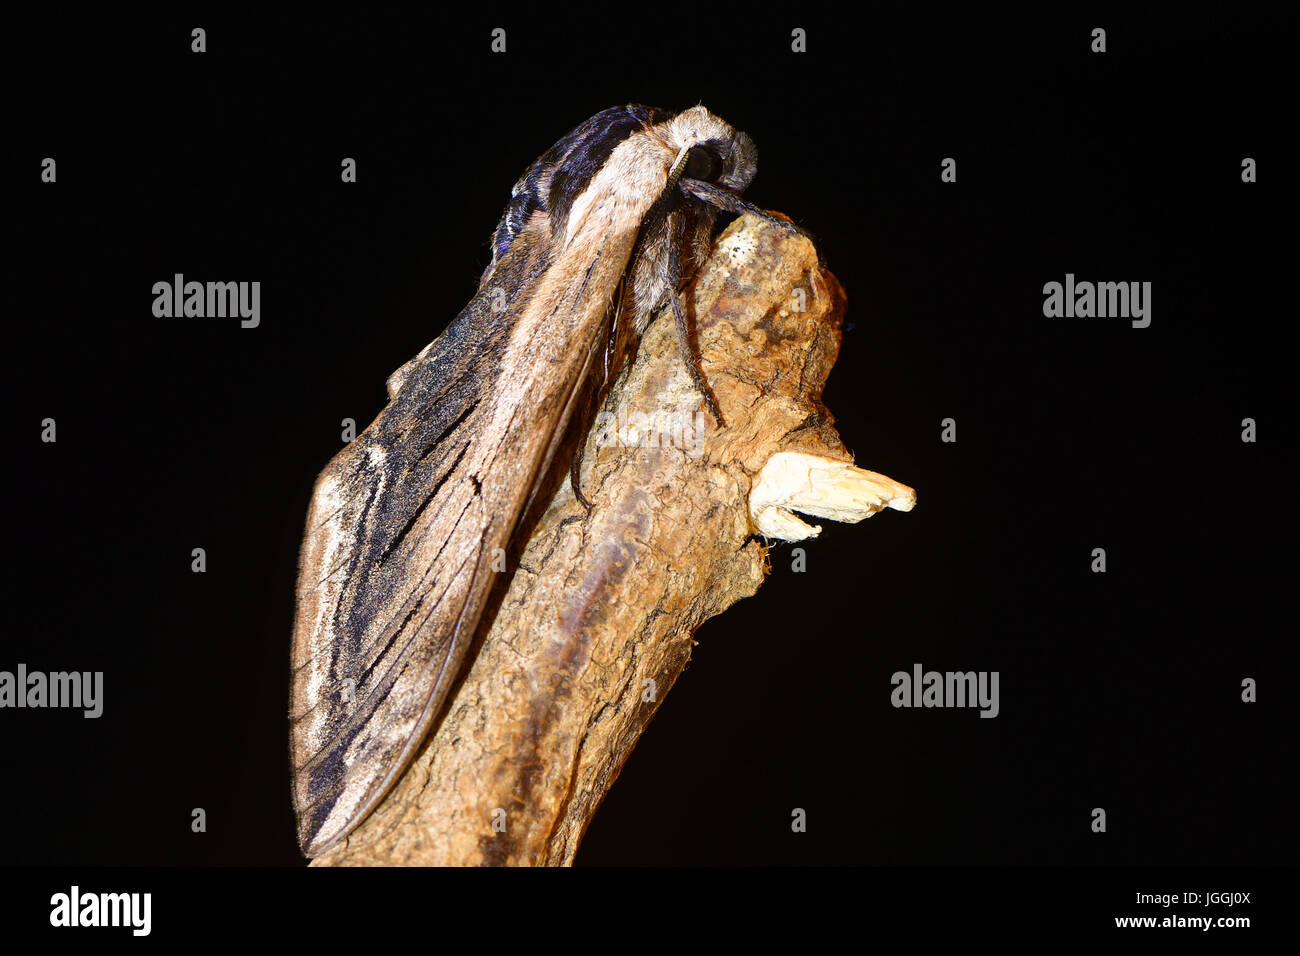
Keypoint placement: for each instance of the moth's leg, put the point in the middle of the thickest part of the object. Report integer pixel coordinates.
(672, 280)
(575, 467)
(576, 475)
(594, 396)
(728, 201)
(611, 341)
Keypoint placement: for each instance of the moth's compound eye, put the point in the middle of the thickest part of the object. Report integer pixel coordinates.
(703, 163)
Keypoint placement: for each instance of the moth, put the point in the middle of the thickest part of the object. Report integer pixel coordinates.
(396, 563)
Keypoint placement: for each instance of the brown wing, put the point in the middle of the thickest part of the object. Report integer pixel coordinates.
(404, 523)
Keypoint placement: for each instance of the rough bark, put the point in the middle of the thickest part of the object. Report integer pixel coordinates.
(598, 620)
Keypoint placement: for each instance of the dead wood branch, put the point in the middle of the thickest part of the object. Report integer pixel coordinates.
(598, 620)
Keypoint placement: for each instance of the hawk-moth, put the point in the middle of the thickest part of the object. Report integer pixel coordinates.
(396, 562)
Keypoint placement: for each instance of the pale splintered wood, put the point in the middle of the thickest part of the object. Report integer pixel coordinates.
(823, 487)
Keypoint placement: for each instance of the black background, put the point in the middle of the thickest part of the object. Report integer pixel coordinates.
(1118, 690)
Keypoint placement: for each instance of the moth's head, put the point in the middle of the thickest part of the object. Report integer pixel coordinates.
(708, 149)
(617, 165)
